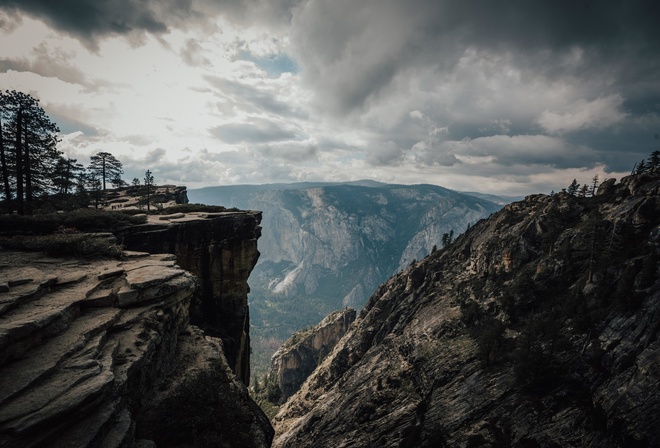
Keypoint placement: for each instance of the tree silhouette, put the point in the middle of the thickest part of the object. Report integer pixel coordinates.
(573, 188)
(105, 167)
(654, 161)
(148, 187)
(28, 151)
(65, 175)
(594, 185)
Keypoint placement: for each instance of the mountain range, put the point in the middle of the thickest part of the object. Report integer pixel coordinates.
(327, 246)
(537, 327)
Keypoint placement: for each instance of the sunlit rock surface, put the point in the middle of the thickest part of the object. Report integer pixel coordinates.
(303, 352)
(102, 354)
(221, 250)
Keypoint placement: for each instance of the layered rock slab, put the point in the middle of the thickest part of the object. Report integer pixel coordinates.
(221, 250)
(84, 346)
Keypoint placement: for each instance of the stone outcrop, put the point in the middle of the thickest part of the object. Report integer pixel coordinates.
(303, 352)
(131, 197)
(220, 249)
(538, 327)
(101, 354)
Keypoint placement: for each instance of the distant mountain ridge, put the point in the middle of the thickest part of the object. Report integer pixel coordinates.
(538, 327)
(496, 198)
(325, 246)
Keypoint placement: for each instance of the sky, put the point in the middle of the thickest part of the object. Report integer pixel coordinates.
(504, 97)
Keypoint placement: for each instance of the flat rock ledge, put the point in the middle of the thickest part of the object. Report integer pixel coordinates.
(84, 346)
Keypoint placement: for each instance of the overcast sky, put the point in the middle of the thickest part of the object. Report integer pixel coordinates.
(508, 97)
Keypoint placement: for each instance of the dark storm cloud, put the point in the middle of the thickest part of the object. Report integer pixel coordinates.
(351, 51)
(90, 20)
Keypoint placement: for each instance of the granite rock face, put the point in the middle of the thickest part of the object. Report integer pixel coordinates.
(88, 350)
(220, 249)
(538, 327)
(304, 351)
(102, 353)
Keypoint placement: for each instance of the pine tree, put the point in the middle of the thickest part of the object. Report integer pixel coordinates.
(640, 168)
(65, 175)
(573, 188)
(594, 186)
(149, 185)
(105, 167)
(654, 162)
(28, 152)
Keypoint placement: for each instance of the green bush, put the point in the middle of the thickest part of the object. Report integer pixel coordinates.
(88, 220)
(78, 245)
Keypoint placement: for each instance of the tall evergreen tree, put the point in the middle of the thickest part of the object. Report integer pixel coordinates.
(149, 185)
(4, 160)
(65, 175)
(29, 140)
(640, 167)
(654, 162)
(573, 187)
(105, 167)
(594, 185)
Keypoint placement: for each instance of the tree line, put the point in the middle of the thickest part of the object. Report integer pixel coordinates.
(33, 170)
(649, 165)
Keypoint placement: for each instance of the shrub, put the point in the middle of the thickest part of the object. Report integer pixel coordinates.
(89, 220)
(78, 245)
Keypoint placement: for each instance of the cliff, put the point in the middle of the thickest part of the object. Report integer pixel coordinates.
(101, 354)
(326, 246)
(538, 327)
(303, 352)
(220, 249)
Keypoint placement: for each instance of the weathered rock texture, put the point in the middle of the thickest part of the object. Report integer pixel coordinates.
(101, 354)
(132, 197)
(304, 351)
(539, 327)
(221, 250)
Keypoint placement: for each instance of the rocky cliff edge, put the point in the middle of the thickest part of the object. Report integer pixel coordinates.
(304, 351)
(220, 249)
(101, 353)
(538, 327)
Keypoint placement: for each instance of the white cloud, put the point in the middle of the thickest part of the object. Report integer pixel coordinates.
(600, 113)
(338, 90)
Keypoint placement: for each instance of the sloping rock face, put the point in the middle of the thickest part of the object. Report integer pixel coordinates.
(221, 250)
(304, 351)
(536, 328)
(89, 351)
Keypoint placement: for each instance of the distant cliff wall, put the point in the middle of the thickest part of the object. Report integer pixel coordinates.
(303, 352)
(538, 327)
(221, 250)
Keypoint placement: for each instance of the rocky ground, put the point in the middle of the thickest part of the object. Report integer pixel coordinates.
(539, 327)
(101, 352)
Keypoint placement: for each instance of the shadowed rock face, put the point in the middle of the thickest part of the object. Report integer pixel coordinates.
(90, 351)
(303, 352)
(102, 354)
(221, 250)
(538, 327)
